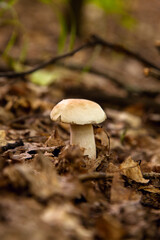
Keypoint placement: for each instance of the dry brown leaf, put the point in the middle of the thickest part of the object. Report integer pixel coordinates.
(132, 170)
(151, 189)
(112, 168)
(41, 180)
(3, 141)
(65, 218)
(101, 136)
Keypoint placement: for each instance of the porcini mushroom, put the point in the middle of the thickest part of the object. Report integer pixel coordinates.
(80, 114)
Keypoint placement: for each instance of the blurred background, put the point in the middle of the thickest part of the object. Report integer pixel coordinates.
(33, 32)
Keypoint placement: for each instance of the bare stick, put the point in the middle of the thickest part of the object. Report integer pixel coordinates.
(122, 49)
(114, 80)
(47, 63)
(157, 45)
(94, 176)
(95, 40)
(150, 72)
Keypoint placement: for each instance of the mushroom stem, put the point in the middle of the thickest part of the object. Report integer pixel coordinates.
(83, 136)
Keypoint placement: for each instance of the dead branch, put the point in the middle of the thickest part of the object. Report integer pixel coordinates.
(114, 80)
(150, 72)
(94, 176)
(47, 63)
(92, 70)
(151, 175)
(101, 175)
(157, 45)
(41, 149)
(122, 49)
(94, 41)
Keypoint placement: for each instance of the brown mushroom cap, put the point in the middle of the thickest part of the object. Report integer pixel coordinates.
(78, 111)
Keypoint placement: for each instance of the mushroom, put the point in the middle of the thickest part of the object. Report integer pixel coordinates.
(80, 114)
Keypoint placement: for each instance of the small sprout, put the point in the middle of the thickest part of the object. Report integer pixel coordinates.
(80, 114)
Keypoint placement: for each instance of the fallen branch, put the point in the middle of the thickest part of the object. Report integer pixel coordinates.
(151, 175)
(122, 49)
(92, 70)
(114, 80)
(150, 72)
(94, 176)
(42, 149)
(95, 40)
(102, 175)
(157, 45)
(47, 63)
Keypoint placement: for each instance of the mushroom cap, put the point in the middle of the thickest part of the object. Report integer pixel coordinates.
(78, 111)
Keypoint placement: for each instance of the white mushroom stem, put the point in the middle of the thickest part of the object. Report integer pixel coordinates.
(83, 136)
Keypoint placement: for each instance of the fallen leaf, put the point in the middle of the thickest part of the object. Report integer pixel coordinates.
(44, 77)
(65, 218)
(131, 169)
(151, 189)
(3, 141)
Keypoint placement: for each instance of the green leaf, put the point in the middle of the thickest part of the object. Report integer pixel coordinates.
(43, 77)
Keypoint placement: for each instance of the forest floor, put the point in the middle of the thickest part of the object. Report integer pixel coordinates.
(48, 189)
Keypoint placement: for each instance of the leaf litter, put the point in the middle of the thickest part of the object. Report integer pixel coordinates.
(60, 194)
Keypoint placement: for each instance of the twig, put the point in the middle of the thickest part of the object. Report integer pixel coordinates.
(96, 72)
(122, 49)
(151, 175)
(94, 176)
(95, 40)
(114, 80)
(47, 63)
(150, 72)
(102, 175)
(157, 45)
(41, 149)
